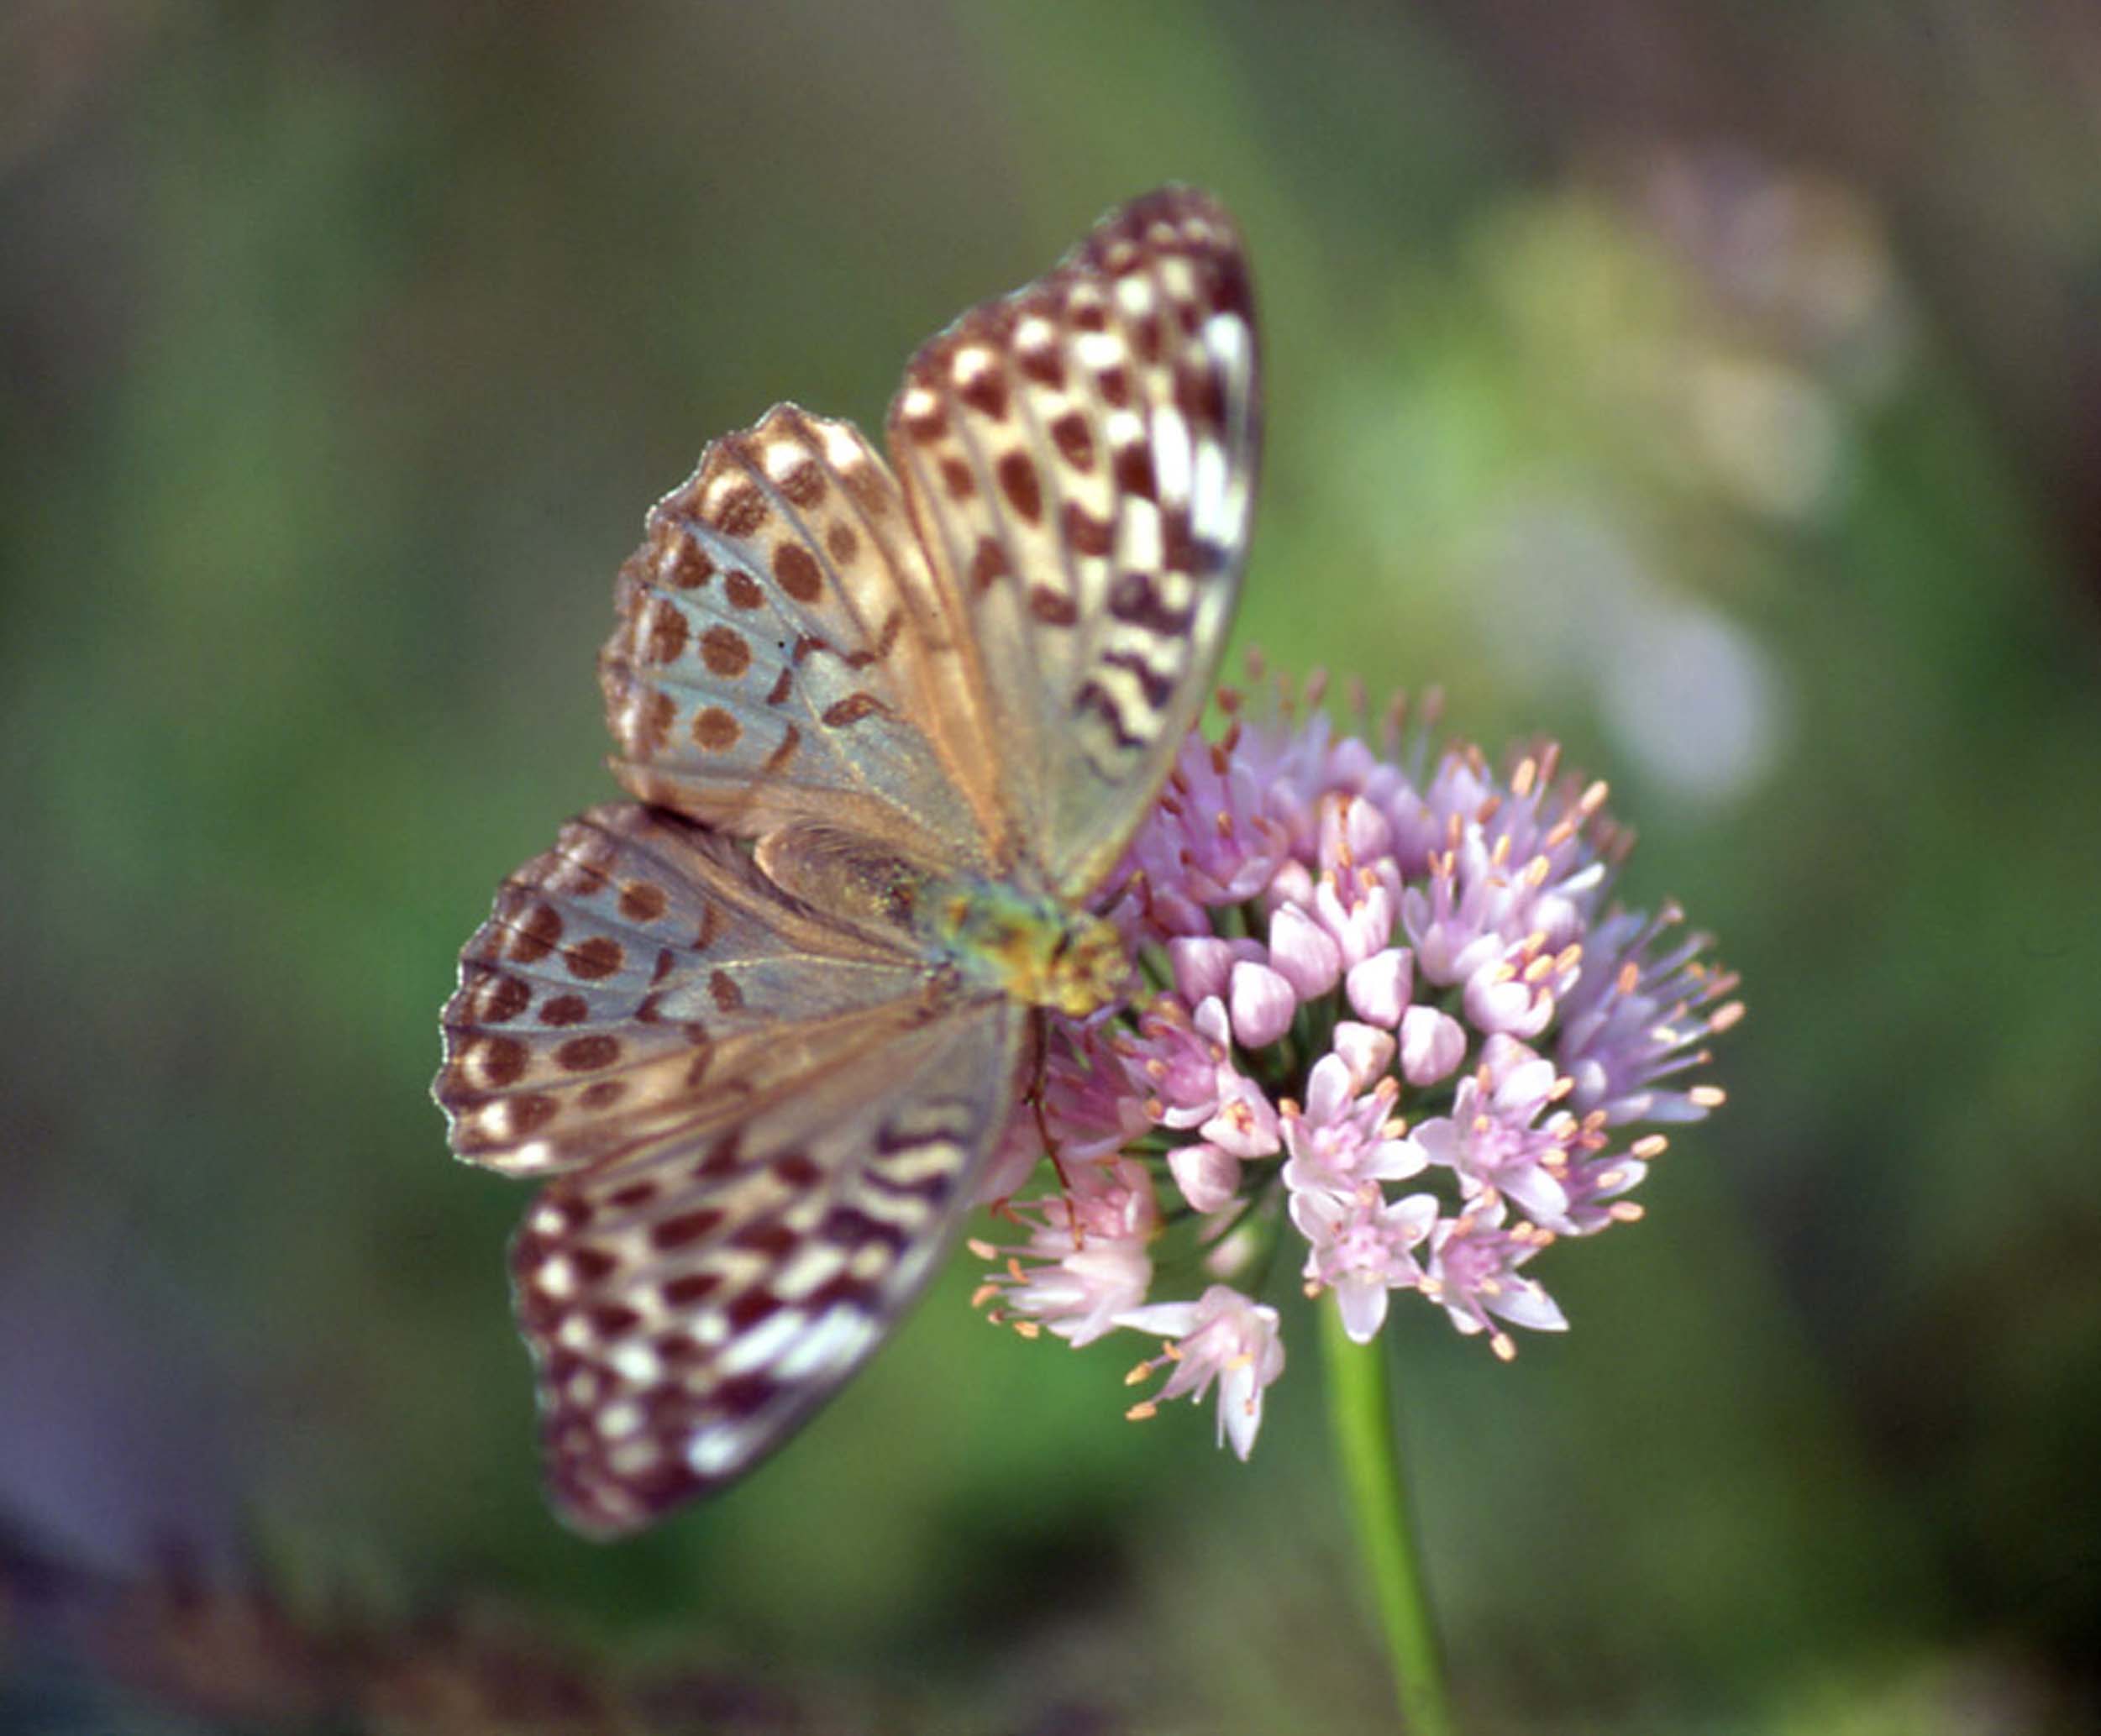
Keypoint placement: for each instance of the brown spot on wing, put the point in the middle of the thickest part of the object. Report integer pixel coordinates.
(1074, 439)
(600, 956)
(715, 730)
(804, 485)
(1086, 534)
(749, 1309)
(798, 572)
(1053, 608)
(688, 1227)
(531, 1112)
(652, 725)
(688, 567)
(610, 1319)
(1200, 398)
(738, 511)
(593, 1266)
(725, 651)
(798, 1170)
(989, 565)
(774, 1240)
(1134, 472)
(501, 998)
(869, 487)
(743, 590)
(985, 391)
(1042, 363)
(666, 634)
(501, 1061)
(534, 938)
(692, 1287)
(1018, 482)
(565, 1009)
(588, 1054)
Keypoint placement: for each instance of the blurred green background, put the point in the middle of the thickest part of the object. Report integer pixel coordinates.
(1720, 393)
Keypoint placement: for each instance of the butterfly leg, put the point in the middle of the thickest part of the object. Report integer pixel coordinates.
(1040, 1040)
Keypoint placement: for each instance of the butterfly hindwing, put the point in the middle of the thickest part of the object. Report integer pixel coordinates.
(639, 977)
(1080, 460)
(688, 1306)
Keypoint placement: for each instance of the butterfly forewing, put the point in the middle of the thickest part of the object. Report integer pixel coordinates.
(774, 659)
(1080, 460)
(688, 1308)
(761, 1092)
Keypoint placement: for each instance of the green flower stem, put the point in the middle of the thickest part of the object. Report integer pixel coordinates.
(1361, 1412)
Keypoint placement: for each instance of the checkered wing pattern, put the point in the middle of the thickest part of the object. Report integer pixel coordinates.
(689, 1307)
(1080, 460)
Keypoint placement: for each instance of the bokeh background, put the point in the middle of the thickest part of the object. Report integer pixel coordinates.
(1718, 391)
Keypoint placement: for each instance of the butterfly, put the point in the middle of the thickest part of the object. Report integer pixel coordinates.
(888, 727)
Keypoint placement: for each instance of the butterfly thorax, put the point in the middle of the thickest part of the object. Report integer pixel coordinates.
(1033, 948)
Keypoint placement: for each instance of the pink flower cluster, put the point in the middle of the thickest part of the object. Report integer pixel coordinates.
(1392, 1027)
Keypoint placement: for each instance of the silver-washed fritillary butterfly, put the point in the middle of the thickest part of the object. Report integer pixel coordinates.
(888, 727)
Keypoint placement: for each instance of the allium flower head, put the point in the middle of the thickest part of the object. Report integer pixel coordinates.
(1396, 1031)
